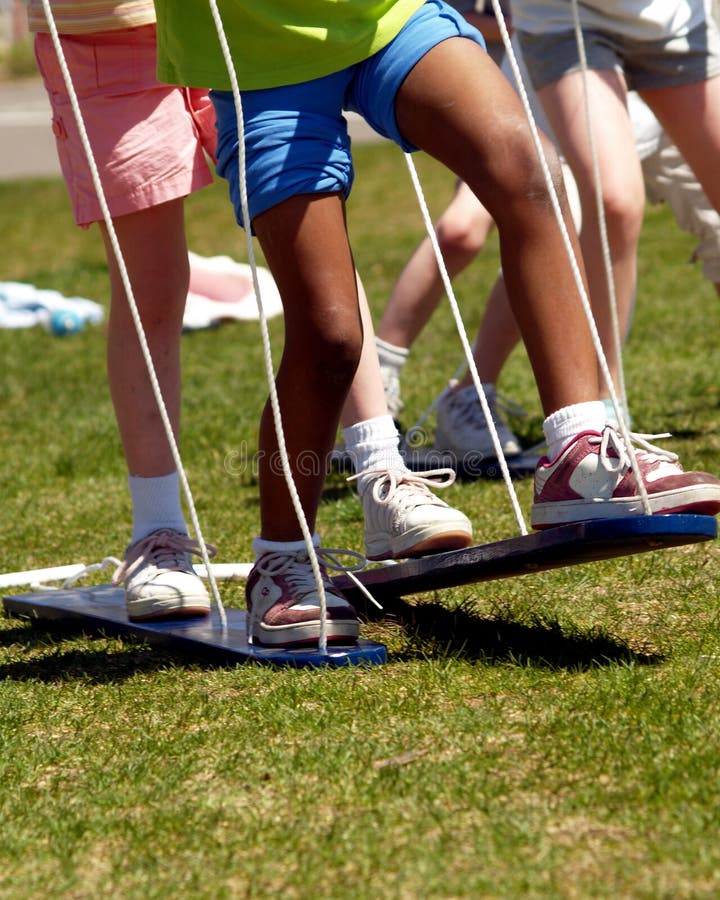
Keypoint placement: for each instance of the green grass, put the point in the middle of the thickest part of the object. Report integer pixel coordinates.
(547, 736)
(17, 59)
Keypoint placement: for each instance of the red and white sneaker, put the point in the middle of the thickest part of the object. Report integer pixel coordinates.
(284, 605)
(593, 479)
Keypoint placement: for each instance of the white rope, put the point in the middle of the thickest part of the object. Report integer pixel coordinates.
(34, 578)
(274, 402)
(602, 222)
(131, 301)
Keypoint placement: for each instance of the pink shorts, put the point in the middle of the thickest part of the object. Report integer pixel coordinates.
(148, 139)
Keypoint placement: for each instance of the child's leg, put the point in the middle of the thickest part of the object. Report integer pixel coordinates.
(456, 105)
(305, 244)
(366, 397)
(153, 246)
(497, 336)
(157, 572)
(690, 114)
(622, 191)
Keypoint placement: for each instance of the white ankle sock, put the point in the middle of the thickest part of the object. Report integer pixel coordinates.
(373, 444)
(564, 424)
(391, 355)
(260, 546)
(156, 504)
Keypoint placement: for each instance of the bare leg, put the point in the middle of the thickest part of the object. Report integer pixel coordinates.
(306, 247)
(668, 178)
(691, 116)
(622, 188)
(153, 245)
(461, 231)
(157, 573)
(449, 106)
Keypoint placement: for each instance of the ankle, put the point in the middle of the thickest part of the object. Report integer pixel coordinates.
(566, 423)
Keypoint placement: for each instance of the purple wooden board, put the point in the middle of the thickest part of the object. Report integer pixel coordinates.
(102, 609)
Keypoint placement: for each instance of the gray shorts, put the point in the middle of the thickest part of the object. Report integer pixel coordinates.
(646, 64)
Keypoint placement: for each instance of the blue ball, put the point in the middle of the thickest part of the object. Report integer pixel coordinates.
(65, 321)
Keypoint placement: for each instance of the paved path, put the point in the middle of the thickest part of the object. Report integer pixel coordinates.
(27, 146)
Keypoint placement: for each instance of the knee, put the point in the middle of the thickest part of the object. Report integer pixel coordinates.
(461, 236)
(342, 349)
(331, 352)
(520, 185)
(623, 206)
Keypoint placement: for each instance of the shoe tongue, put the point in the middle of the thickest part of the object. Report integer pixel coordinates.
(369, 479)
(468, 394)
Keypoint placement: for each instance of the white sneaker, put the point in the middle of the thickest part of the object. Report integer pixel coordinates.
(404, 518)
(461, 427)
(159, 579)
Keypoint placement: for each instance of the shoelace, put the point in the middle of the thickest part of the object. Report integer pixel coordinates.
(611, 439)
(303, 580)
(164, 549)
(403, 485)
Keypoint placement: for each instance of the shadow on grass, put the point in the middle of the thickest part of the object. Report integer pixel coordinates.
(94, 662)
(436, 630)
(53, 654)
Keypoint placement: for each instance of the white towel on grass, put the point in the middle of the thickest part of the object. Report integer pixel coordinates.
(24, 306)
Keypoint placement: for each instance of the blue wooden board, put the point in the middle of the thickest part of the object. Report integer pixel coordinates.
(566, 545)
(102, 609)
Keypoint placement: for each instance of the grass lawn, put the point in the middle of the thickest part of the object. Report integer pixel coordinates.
(554, 735)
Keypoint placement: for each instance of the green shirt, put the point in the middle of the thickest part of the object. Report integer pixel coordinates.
(272, 42)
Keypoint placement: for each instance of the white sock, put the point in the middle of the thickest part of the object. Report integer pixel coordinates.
(373, 444)
(564, 424)
(156, 504)
(391, 355)
(260, 546)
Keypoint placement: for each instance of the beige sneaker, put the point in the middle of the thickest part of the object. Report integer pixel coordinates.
(159, 579)
(404, 518)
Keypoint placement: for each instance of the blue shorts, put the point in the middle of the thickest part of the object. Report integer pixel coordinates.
(296, 138)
